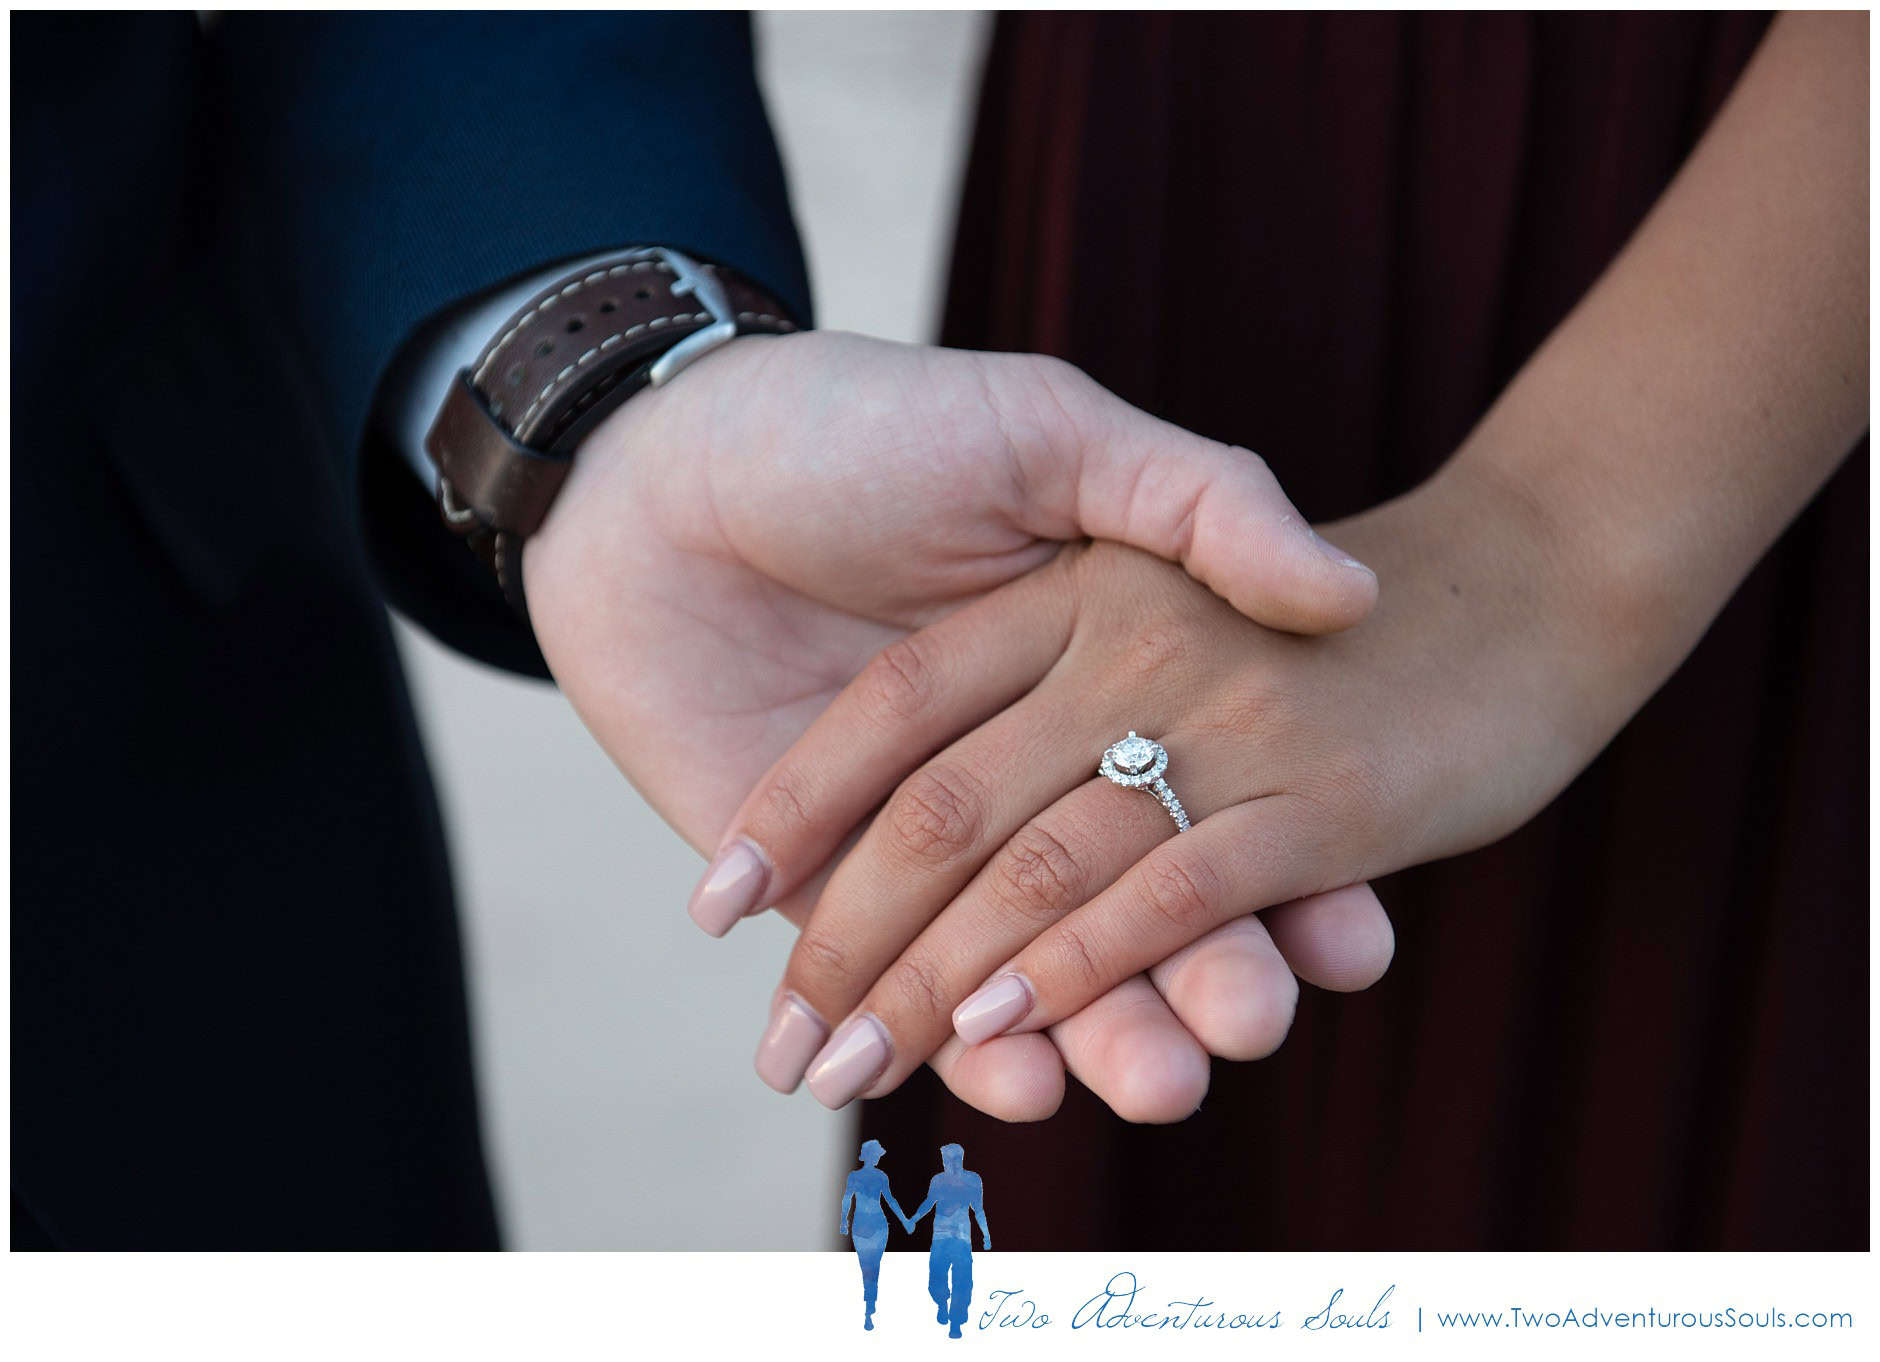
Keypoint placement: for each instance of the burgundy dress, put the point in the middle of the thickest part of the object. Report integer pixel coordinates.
(1639, 1023)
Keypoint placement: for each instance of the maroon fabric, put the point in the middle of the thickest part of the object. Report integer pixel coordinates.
(1640, 1022)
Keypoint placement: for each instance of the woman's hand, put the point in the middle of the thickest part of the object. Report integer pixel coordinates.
(731, 550)
(1538, 591)
(1474, 693)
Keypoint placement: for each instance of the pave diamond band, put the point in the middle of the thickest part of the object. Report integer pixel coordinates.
(1137, 764)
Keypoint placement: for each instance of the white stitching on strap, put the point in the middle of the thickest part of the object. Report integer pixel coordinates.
(454, 511)
(548, 300)
(557, 380)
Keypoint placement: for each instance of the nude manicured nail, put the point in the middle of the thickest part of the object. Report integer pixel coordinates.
(790, 1042)
(732, 885)
(850, 1062)
(996, 1008)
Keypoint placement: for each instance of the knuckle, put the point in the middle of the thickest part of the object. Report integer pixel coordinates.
(1065, 380)
(1253, 459)
(1075, 958)
(901, 682)
(918, 986)
(937, 814)
(783, 810)
(1039, 877)
(1037, 398)
(821, 967)
(1183, 895)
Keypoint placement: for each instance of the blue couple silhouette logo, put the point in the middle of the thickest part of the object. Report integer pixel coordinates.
(956, 1198)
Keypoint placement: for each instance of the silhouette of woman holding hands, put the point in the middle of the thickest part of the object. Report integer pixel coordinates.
(866, 1188)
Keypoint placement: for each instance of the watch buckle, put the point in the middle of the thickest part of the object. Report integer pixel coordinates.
(703, 285)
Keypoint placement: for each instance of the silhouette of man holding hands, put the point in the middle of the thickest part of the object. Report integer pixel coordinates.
(955, 1197)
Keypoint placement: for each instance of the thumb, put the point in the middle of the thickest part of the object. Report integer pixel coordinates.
(1089, 464)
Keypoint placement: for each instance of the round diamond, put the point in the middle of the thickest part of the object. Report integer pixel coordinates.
(1133, 755)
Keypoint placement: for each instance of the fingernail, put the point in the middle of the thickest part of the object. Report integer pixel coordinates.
(732, 885)
(790, 1042)
(853, 1059)
(1336, 554)
(996, 1008)
(1325, 546)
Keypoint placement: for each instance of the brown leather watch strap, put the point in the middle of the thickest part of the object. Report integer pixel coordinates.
(504, 438)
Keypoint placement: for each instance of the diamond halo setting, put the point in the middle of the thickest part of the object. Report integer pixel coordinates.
(1134, 761)
(1137, 763)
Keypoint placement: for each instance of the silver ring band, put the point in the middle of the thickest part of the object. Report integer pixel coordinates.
(1137, 764)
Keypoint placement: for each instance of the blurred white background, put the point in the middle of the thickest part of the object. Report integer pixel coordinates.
(614, 1038)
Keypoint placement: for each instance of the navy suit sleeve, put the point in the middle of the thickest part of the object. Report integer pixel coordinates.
(396, 164)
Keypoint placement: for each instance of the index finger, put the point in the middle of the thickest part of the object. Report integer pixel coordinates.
(914, 697)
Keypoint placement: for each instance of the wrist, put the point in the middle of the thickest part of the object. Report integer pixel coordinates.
(629, 465)
(504, 436)
(1632, 579)
(666, 423)
(1497, 577)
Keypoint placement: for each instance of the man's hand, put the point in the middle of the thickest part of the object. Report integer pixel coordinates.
(731, 551)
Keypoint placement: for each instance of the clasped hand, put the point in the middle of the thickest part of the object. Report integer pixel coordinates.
(853, 586)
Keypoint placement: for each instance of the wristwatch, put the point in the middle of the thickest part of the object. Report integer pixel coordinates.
(504, 438)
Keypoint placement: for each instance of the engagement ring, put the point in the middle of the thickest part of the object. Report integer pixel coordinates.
(1137, 764)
